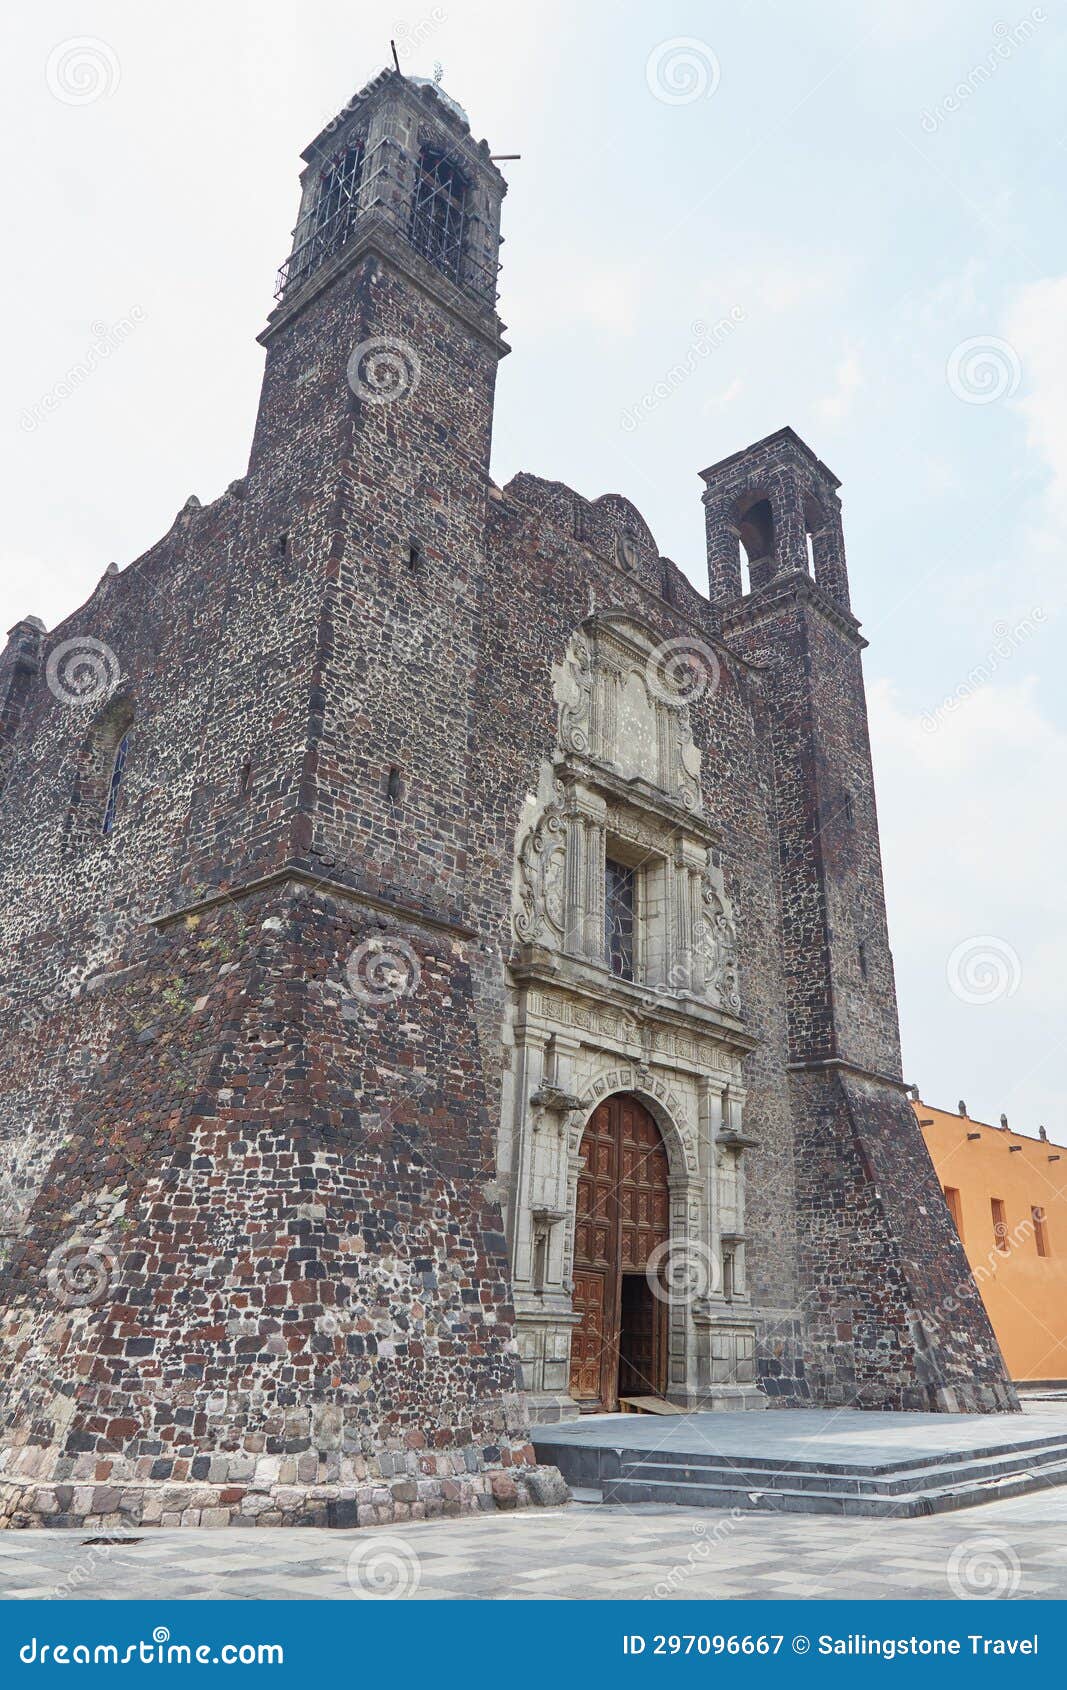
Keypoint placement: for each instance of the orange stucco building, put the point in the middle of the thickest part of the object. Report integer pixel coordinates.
(1007, 1194)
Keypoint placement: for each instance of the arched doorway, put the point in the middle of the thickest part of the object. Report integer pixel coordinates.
(619, 1346)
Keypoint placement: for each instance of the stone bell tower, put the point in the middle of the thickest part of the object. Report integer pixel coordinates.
(776, 505)
(377, 410)
(262, 1274)
(882, 1262)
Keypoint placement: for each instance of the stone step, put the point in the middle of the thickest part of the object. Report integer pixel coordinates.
(649, 1405)
(1006, 1450)
(834, 1461)
(755, 1474)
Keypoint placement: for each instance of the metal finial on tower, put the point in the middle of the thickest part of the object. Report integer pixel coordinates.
(438, 72)
(396, 57)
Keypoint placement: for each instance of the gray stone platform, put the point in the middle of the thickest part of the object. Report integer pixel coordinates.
(845, 1461)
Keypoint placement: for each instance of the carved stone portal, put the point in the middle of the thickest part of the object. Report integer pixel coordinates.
(624, 787)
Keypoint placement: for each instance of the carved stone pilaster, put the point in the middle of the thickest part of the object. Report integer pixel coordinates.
(721, 975)
(541, 916)
(574, 689)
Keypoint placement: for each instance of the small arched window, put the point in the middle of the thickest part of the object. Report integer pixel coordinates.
(755, 531)
(102, 762)
(118, 769)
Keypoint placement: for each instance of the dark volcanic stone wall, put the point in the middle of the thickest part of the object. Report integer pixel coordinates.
(299, 1301)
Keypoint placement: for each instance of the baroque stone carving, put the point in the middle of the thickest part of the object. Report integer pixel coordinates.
(626, 551)
(541, 917)
(686, 760)
(720, 942)
(574, 690)
(620, 708)
(671, 1111)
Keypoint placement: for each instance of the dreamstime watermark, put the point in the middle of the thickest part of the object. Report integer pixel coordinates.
(83, 1570)
(708, 1538)
(381, 971)
(1008, 1240)
(934, 1325)
(107, 338)
(1008, 38)
(82, 70)
(709, 969)
(1007, 640)
(683, 1270)
(682, 670)
(82, 671)
(706, 339)
(682, 70)
(983, 1569)
(384, 369)
(983, 969)
(983, 369)
(80, 1273)
(383, 1568)
(159, 1651)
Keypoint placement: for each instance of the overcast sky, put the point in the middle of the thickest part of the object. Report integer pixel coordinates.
(868, 201)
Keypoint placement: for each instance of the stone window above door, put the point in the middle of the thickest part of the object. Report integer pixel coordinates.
(616, 865)
(621, 912)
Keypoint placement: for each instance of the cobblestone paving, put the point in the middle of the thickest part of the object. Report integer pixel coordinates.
(1016, 1548)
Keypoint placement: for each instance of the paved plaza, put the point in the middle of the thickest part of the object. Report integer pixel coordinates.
(1007, 1549)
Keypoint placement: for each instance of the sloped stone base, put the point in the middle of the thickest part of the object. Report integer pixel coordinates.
(376, 1501)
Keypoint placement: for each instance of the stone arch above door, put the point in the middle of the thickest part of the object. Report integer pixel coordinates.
(663, 1103)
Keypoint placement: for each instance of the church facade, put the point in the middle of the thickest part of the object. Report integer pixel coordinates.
(445, 962)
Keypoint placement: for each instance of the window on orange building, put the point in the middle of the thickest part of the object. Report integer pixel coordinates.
(952, 1198)
(1040, 1230)
(1000, 1223)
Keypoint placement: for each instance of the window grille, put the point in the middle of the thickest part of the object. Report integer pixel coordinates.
(439, 212)
(326, 226)
(619, 904)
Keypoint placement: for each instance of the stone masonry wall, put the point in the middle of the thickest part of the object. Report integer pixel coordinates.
(541, 579)
(275, 1291)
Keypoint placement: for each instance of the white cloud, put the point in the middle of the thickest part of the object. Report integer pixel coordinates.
(1037, 329)
(781, 280)
(973, 818)
(719, 401)
(570, 290)
(848, 380)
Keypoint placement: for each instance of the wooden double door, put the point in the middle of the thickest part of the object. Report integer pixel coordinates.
(619, 1346)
